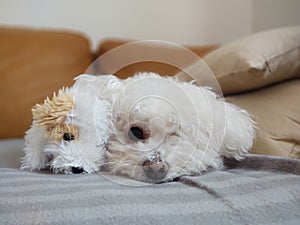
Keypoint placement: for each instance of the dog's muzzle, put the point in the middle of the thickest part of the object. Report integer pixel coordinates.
(155, 169)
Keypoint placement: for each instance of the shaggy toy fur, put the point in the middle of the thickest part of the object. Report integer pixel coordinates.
(69, 132)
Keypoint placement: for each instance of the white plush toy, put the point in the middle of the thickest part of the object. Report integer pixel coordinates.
(69, 132)
(166, 129)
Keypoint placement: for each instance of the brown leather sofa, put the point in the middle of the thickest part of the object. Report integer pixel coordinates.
(36, 63)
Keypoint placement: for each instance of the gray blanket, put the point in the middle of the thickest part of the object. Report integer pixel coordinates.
(257, 190)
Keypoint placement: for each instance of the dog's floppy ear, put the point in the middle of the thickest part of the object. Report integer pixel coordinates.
(53, 111)
(239, 133)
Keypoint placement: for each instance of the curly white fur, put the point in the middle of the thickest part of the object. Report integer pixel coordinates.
(188, 127)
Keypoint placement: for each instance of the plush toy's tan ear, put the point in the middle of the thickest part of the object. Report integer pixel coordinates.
(53, 111)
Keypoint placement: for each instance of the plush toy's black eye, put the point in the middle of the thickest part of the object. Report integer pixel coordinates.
(135, 133)
(68, 137)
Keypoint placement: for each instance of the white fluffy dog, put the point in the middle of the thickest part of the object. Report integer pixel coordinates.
(166, 129)
(69, 132)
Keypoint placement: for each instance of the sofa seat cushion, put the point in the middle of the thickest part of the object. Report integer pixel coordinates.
(277, 113)
(166, 58)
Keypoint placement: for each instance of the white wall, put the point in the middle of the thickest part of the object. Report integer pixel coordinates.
(269, 14)
(183, 22)
(190, 22)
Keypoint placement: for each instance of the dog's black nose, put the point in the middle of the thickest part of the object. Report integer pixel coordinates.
(77, 170)
(155, 170)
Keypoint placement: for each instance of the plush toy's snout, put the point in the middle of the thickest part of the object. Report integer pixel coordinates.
(77, 170)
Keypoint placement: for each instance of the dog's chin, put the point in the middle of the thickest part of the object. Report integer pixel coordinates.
(132, 172)
(182, 160)
(137, 173)
(152, 181)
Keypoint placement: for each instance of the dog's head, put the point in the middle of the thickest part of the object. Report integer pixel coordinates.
(166, 129)
(158, 133)
(69, 131)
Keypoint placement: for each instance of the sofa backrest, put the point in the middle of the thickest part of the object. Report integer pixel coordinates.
(143, 50)
(34, 64)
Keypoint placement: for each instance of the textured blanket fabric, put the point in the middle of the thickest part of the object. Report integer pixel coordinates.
(258, 190)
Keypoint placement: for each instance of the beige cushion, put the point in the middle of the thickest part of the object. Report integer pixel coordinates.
(277, 113)
(257, 60)
(34, 64)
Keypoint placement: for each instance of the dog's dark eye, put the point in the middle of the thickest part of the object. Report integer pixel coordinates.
(135, 133)
(68, 137)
